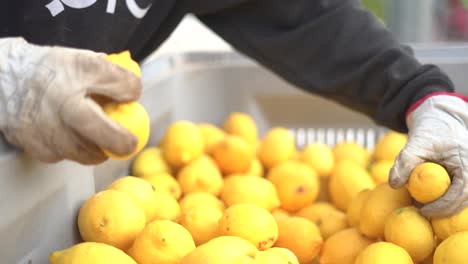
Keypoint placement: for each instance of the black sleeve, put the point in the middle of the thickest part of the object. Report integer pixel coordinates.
(333, 48)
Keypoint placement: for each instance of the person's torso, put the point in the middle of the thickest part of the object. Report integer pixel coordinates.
(99, 25)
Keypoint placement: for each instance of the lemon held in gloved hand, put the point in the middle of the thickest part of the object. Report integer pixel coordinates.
(427, 182)
(130, 115)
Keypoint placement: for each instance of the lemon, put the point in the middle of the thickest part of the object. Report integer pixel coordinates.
(427, 182)
(211, 136)
(407, 228)
(453, 250)
(249, 189)
(351, 151)
(242, 125)
(389, 146)
(380, 170)
(315, 211)
(149, 161)
(328, 219)
(201, 175)
(223, 249)
(383, 253)
(162, 241)
(132, 116)
(279, 213)
(196, 198)
(124, 60)
(297, 184)
(276, 147)
(346, 181)
(250, 222)
(301, 236)
(90, 252)
(164, 182)
(320, 157)
(331, 223)
(353, 211)
(382, 201)
(182, 143)
(201, 221)
(140, 190)
(166, 207)
(111, 217)
(343, 247)
(276, 255)
(447, 226)
(256, 169)
(233, 155)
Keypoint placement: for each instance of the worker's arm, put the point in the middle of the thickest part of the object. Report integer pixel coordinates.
(336, 49)
(333, 48)
(45, 104)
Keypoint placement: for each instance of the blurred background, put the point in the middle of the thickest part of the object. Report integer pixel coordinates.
(421, 22)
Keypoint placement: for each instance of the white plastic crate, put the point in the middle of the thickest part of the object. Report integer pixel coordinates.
(39, 202)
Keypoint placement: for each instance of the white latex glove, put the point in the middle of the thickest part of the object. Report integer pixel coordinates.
(437, 132)
(45, 107)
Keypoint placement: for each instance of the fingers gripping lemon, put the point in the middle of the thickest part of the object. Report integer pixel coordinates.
(130, 115)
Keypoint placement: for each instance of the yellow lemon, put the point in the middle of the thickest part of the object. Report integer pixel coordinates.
(140, 190)
(111, 217)
(256, 169)
(276, 255)
(383, 253)
(447, 226)
(162, 241)
(407, 228)
(201, 221)
(223, 249)
(149, 161)
(242, 125)
(427, 182)
(279, 213)
(320, 157)
(453, 250)
(346, 181)
(182, 143)
(90, 252)
(249, 189)
(343, 247)
(351, 151)
(233, 155)
(380, 170)
(166, 207)
(297, 184)
(276, 147)
(164, 182)
(389, 146)
(196, 198)
(355, 206)
(201, 175)
(250, 222)
(328, 219)
(211, 136)
(133, 117)
(314, 211)
(301, 236)
(382, 201)
(124, 60)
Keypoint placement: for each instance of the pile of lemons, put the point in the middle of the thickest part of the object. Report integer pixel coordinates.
(209, 194)
(223, 194)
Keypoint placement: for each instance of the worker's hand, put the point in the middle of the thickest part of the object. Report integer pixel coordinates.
(437, 132)
(46, 107)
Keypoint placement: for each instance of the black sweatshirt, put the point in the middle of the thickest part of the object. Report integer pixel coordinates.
(333, 48)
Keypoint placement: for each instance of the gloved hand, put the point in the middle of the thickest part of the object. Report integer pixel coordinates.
(437, 132)
(45, 104)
